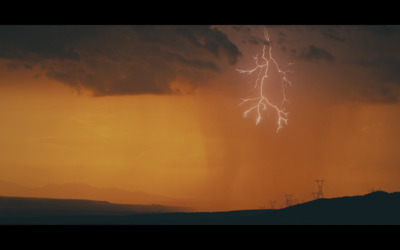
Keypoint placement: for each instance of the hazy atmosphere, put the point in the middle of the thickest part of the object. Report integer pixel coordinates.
(155, 113)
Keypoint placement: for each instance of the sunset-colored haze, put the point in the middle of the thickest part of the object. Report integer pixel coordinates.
(186, 138)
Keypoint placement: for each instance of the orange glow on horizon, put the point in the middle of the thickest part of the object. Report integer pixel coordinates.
(195, 148)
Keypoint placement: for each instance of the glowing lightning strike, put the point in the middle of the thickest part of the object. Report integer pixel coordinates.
(262, 102)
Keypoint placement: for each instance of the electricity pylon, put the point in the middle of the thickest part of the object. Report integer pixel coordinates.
(319, 194)
(272, 204)
(288, 199)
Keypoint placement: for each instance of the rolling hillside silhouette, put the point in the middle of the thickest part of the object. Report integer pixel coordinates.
(377, 208)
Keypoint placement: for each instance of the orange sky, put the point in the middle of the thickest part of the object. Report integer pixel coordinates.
(197, 146)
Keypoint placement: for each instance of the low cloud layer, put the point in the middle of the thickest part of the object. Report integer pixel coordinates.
(386, 73)
(118, 60)
(313, 53)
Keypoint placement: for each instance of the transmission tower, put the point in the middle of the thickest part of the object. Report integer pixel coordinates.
(314, 195)
(272, 204)
(319, 194)
(288, 199)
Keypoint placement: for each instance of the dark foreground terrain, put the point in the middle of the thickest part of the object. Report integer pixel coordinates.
(377, 208)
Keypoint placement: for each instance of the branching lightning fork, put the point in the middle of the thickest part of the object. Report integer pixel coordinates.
(261, 101)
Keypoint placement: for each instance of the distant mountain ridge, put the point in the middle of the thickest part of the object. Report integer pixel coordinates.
(87, 192)
(17, 207)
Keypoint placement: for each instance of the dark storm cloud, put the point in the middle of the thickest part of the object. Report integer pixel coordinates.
(282, 37)
(313, 53)
(388, 67)
(366, 57)
(375, 50)
(197, 64)
(331, 32)
(386, 73)
(257, 41)
(379, 93)
(332, 35)
(383, 95)
(39, 42)
(384, 30)
(114, 60)
(211, 40)
(249, 37)
(242, 29)
(16, 66)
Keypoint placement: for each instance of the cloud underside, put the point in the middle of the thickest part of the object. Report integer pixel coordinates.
(313, 53)
(338, 48)
(118, 60)
(385, 72)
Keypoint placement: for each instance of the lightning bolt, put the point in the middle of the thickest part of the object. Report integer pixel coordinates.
(261, 102)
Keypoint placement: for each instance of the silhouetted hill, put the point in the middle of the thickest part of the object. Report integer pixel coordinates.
(374, 208)
(377, 208)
